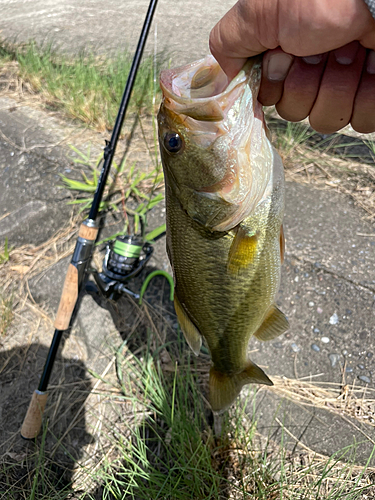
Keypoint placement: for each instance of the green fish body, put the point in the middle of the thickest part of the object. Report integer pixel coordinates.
(224, 203)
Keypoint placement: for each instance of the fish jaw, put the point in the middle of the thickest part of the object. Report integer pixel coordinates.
(225, 167)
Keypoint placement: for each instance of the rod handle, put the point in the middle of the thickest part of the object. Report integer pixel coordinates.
(68, 299)
(88, 232)
(33, 420)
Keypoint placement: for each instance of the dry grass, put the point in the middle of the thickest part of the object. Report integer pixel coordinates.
(342, 399)
(6, 313)
(340, 163)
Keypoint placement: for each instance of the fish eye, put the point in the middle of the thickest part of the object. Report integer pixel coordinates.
(173, 142)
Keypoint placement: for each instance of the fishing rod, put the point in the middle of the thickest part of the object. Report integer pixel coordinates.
(83, 250)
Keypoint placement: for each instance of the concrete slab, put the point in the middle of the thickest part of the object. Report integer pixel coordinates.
(33, 206)
(341, 438)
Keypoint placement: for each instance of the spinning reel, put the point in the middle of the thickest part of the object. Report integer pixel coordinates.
(125, 257)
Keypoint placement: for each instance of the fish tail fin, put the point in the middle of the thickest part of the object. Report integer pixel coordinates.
(225, 388)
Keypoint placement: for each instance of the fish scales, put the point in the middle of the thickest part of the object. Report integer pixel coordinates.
(226, 258)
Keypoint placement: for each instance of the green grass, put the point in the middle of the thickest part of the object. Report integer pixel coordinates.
(6, 301)
(4, 254)
(6, 313)
(161, 446)
(36, 477)
(290, 136)
(129, 191)
(170, 452)
(86, 87)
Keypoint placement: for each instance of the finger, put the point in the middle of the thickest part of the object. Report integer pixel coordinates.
(301, 87)
(363, 118)
(334, 104)
(237, 35)
(275, 67)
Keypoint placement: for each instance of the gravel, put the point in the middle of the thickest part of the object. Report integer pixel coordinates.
(295, 347)
(334, 319)
(334, 359)
(364, 379)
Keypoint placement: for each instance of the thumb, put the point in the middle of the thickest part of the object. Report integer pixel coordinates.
(235, 36)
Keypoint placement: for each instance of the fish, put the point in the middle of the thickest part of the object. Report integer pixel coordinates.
(224, 192)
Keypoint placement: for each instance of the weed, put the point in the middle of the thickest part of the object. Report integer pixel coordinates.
(4, 255)
(6, 313)
(35, 477)
(370, 143)
(291, 135)
(168, 450)
(127, 190)
(86, 87)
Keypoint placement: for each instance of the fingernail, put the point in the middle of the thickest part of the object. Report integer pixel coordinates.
(346, 55)
(371, 63)
(313, 59)
(278, 66)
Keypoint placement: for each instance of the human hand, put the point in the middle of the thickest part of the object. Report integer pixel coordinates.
(315, 62)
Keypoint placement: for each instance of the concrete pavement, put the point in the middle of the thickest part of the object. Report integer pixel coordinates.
(180, 28)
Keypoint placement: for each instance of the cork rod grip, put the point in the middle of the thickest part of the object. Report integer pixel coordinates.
(89, 233)
(33, 419)
(68, 299)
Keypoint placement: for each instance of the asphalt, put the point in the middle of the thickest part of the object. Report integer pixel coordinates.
(180, 28)
(328, 279)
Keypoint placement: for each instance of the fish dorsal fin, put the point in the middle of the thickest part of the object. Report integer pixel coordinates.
(225, 388)
(242, 251)
(282, 243)
(274, 324)
(190, 331)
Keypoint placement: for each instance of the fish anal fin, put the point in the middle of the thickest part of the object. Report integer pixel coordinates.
(242, 251)
(224, 388)
(190, 331)
(282, 243)
(274, 324)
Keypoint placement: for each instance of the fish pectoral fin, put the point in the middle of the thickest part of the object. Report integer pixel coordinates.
(225, 388)
(274, 324)
(190, 331)
(242, 251)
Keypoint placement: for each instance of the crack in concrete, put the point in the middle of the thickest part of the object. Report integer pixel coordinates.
(335, 274)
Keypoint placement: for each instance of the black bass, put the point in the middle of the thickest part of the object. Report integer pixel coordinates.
(225, 204)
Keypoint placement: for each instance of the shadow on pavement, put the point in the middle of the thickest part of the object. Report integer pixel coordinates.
(21, 460)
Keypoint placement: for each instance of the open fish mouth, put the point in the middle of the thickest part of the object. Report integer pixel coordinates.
(198, 80)
(201, 90)
(220, 128)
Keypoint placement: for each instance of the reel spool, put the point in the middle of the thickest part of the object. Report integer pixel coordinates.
(125, 257)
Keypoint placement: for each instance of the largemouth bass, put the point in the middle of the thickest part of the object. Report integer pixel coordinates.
(224, 204)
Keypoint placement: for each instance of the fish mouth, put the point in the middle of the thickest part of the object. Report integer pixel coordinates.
(199, 80)
(201, 90)
(224, 123)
